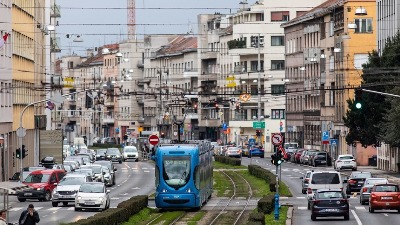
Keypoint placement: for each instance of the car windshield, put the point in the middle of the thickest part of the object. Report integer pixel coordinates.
(86, 159)
(88, 171)
(105, 169)
(176, 170)
(376, 181)
(72, 181)
(91, 188)
(130, 150)
(329, 194)
(108, 164)
(346, 157)
(25, 174)
(360, 175)
(96, 169)
(67, 168)
(101, 151)
(325, 178)
(113, 151)
(37, 178)
(387, 188)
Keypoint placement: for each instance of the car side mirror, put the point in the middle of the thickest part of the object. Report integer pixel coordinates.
(108, 191)
(115, 169)
(345, 181)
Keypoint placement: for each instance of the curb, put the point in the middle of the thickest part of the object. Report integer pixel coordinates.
(289, 216)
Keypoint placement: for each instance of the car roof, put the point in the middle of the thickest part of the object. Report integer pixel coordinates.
(376, 178)
(346, 155)
(46, 171)
(326, 190)
(326, 172)
(388, 184)
(75, 175)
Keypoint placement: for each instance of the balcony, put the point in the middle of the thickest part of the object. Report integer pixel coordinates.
(55, 11)
(140, 100)
(209, 54)
(108, 119)
(143, 81)
(191, 73)
(244, 51)
(55, 43)
(109, 102)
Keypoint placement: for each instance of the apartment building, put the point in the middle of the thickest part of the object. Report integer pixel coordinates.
(6, 102)
(325, 50)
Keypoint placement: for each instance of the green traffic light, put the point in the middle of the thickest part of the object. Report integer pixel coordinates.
(358, 105)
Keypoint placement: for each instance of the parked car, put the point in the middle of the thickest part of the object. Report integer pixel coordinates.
(384, 196)
(329, 202)
(233, 152)
(356, 181)
(306, 157)
(110, 166)
(256, 150)
(42, 183)
(321, 159)
(365, 191)
(92, 195)
(114, 155)
(298, 154)
(66, 190)
(302, 156)
(345, 162)
(130, 152)
(101, 154)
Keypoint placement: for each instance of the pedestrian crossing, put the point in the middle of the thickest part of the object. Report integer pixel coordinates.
(51, 209)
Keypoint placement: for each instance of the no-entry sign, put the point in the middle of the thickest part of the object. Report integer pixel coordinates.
(153, 140)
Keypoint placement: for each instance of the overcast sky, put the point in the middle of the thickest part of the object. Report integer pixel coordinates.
(152, 17)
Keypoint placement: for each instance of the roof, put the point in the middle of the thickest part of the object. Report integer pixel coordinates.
(178, 46)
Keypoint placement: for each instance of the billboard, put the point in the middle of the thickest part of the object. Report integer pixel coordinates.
(51, 144)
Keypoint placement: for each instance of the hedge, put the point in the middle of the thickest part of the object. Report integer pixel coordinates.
(264, 174)
(119, 215)
(256, 218)
(228, 160)
(266, 205)
(106, 145)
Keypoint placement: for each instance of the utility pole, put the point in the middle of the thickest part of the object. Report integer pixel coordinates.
(259, 79)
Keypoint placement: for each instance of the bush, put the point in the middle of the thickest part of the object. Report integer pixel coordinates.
(228, 160)
(266, 205)
(257, 218)
(114, 216)
(264, 174)
(106, 145)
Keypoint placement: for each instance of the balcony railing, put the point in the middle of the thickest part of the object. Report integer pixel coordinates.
(55, 11)
(55, 43)
(108, 119)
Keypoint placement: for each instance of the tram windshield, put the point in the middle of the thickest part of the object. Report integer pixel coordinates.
(176, 170)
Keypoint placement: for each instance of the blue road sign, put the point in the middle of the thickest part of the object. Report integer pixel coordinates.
(334, 141)
(252, 141)
(325, 136)
(224, 126)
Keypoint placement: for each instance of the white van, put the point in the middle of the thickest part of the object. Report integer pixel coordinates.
(323, 180)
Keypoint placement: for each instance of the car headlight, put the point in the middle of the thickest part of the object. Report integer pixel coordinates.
(40, 189)
(101, 199)
(108, 156)
(55, 192)
(79, 197)
(118, 156)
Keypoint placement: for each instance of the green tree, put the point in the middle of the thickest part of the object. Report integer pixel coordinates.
(377, 120)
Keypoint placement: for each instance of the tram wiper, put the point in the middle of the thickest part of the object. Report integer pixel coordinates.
(183, 175)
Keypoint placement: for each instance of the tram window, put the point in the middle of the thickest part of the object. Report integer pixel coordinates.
(157, 173)
(197, 177)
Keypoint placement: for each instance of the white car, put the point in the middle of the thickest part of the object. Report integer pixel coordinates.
(345, 162)
(92, 195)
(130, 152)
(67, 188)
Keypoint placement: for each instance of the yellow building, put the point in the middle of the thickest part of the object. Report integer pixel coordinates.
(28, 66)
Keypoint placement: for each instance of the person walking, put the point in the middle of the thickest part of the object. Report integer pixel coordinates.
(3, 217)
(29, 216)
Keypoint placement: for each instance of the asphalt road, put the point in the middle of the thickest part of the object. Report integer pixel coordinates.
(132, 178)
(291, 174)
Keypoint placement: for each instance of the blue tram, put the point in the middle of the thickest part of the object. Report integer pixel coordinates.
(184, 175)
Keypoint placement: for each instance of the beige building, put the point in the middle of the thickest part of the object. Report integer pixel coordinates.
(325, 49)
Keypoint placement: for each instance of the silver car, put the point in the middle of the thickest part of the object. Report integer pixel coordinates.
(234, 152)
(67, 188)
(365, 191)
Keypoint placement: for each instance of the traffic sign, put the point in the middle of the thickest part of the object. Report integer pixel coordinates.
(325, 137)
(258, 125)
(224, 126)
(333, 141)
(277, 139)
(21, 132)
(153, 139)
(252, 141)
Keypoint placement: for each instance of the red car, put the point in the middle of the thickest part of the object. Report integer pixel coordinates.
(384, 196)
(298, 155)
(42, 183)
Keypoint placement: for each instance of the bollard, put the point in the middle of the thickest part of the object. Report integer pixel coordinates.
(276, 213)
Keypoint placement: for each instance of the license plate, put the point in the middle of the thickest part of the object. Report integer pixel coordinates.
(64, 196)
(331, 210)
(28, 194)
(323, 161)
(89, 203)
(386, 198)
(346, 162)
(387, 203)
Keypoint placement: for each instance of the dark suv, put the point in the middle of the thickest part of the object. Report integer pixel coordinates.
(114, 155)
(320, 158)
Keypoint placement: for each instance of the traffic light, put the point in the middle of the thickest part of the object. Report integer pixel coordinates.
(216, 107)
(162, 135)
(279, 158)
(18, 153)
(258, 133)
(358, 98)
(23, 152)
(273, 159)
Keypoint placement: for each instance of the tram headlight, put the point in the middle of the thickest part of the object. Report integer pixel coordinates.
(164, 190)
(188, 190)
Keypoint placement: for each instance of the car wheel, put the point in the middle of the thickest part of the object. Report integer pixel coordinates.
(313, 217)
(65, 203)
(303, 191)
(262, 156)
(355, 169)
(47, 196)
(77, 209)
(137, 160)
(371, 210)
(347, 217)
(21, 199)
(120, 162)
(54, 204)
(308, 205)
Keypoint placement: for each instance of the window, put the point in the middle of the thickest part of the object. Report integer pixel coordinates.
(254, 65)
(277, 114)
(280, 16)
(70, 65)
(277, 41)
(363, 25)
(277, 64)
(260, 17)
(277, 89)
(359, 60)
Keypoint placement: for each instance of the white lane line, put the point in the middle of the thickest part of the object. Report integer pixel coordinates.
(14, 209)
(37, 208)
(144, 168)
(301, 197)
(360, 208)
(283, 197)
(124, 168)
(53, 209)
(146, 171)
(385, 214)
(302, 208)
(114, 198)
(71, 208)
(356, 217)
(135, 168)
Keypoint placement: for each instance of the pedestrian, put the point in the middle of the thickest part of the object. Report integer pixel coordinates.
(29, 216)
(3, 217)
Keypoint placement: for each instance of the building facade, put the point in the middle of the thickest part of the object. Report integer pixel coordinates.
(324, 55)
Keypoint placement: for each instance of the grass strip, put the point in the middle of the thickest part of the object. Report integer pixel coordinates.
(199, 215)
(270, 218)
(218, 165)
(258, 186)
(284, 190)
(222, 185)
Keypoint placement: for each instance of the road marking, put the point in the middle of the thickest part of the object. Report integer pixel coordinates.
(136, 188)
(37, 208)
(385, 214)
(135, 168)
(14, 209)
(144, 168)
(53, 209)
(301, 197)
(302, 208)
(124, 168)
(356, 217)
(283, 197)
(360, 208)
(146, 171)
(71, 208)
(114, 198)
